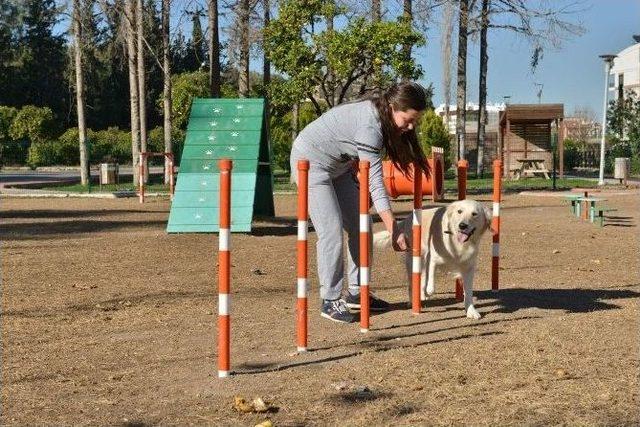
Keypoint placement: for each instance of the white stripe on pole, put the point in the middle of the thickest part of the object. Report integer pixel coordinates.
(302, 230)
(416, 264)
(364, 275)
(496, 209)
(224, 238)
(364, 223)
(495, 249)
(302, 287)
(223, 374)
(417, 216)
(223, 304)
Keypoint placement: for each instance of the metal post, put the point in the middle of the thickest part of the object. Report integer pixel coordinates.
(608, 61)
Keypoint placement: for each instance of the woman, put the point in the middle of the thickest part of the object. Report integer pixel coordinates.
(361, 130)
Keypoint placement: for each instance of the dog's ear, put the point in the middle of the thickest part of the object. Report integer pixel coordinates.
(488, 216)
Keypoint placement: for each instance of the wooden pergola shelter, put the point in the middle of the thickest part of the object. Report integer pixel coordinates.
(525, 133)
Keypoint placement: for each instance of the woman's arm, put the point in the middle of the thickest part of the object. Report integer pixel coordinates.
(398, 238)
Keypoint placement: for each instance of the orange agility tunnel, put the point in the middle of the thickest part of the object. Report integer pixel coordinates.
(398, 184)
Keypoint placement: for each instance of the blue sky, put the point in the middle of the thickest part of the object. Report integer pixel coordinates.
(573, 75)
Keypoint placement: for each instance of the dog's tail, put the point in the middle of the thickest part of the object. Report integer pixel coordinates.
(382, 239)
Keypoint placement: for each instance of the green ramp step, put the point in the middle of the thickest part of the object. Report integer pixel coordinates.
(223, 128)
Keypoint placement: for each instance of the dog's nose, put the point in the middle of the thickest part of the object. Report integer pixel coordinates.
(463, 226)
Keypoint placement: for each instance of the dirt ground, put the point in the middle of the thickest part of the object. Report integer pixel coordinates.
(107, 320)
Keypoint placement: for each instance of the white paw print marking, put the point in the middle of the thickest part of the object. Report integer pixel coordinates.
(236, 120)
(198, 216)
(213, 124)
(232, 148)
(217, 110)
(235, 134)
(239, 106)
(203, 183)
(201, 199)
(206, 167)
(212, 137)
(209, 152)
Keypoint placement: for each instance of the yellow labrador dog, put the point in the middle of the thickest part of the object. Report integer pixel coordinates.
(450, 237)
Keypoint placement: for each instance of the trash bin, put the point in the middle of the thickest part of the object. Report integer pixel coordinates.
(622, 169)
(109, 173)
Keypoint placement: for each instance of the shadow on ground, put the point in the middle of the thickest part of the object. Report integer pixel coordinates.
(570, 300)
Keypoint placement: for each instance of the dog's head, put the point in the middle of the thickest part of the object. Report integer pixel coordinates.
(467, 220)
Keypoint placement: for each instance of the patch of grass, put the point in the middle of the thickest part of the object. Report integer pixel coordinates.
(281, 183)
(524, 184)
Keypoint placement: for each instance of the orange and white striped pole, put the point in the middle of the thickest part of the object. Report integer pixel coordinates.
(141, 178)
(495, 223)
(302, 246)
(463, 166)
(416, 243)
(224, 270)
(363, 167)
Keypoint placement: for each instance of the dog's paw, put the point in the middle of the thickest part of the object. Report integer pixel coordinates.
(472, 313)
(431, 289)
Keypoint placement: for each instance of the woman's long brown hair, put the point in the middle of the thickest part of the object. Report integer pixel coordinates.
(403, 149)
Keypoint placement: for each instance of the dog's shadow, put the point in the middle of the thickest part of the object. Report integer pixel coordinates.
(575, 300)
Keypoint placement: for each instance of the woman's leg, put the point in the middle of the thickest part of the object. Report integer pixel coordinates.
(324, 211)
(347, 192)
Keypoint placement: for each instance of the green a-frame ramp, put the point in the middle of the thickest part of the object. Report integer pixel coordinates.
(223, 128)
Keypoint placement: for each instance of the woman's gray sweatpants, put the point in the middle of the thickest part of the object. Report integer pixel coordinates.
(333, 207)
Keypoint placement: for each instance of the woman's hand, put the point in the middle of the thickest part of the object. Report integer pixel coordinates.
(399, 239)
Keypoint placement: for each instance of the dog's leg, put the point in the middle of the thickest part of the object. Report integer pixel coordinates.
(431, 283)
(424, 276)
(467, 278)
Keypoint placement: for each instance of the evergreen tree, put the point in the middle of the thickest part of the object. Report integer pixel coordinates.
(196, 49)
(42, 60)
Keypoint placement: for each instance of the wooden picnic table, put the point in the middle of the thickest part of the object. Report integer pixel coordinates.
(531, 167)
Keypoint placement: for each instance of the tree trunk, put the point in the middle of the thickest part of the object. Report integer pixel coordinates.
(214, 50)
(166, 91)
(461, 113)
(266, 73)
(85, 175)
(243, 77)
(407, 14)
(266, 68)
(129, 21)
(446, 31)
(482, 87)
(376, 10)
(141, 84)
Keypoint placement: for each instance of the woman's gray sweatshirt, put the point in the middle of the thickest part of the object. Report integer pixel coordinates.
(343, 135)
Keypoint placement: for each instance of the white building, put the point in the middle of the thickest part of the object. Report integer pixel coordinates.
(625, 73)
(493, 113)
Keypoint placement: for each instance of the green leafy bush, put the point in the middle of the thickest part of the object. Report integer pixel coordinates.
(185, 87)
(571, 154)
(155, 143)
(280, 133)
(11, 151)
(433, 133)
(34, 124)
(111, 145)
(42, 153)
